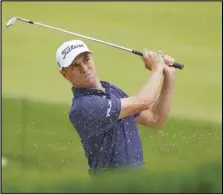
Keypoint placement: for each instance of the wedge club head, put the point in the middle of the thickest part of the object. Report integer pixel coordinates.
(11, 21)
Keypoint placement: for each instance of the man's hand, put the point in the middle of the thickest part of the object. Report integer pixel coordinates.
(169, 70)
(153, 61)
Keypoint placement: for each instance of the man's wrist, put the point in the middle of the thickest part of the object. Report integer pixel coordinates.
(158, 70)
(167, 74)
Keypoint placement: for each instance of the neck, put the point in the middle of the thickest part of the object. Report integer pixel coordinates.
(99, 85)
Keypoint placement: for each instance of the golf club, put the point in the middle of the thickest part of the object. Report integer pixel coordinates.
(14, 19)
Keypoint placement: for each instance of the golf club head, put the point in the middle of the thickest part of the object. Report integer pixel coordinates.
(11, 21)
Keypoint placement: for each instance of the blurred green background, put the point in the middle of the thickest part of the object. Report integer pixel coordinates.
(39, 143)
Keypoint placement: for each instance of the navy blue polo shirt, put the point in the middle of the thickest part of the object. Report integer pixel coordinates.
(108, 142)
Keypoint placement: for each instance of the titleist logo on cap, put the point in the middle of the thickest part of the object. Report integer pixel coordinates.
(70, 48)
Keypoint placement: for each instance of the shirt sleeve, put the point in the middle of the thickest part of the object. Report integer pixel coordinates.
(93, 112)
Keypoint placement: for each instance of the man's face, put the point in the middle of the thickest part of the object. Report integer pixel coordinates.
(81, 72)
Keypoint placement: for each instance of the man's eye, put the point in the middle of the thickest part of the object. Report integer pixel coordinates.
(87, 59)
(75, 65)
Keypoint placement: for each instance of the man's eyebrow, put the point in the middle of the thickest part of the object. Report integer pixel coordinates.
(74, 62)
(86, 55)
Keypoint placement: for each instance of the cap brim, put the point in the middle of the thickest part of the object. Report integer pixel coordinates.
(73, 55)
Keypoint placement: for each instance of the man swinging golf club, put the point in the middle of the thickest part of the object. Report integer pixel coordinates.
(104, 116)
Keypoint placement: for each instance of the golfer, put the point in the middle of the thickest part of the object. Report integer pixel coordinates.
(104, 116)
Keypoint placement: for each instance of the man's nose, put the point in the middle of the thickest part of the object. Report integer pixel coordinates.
(84, 68)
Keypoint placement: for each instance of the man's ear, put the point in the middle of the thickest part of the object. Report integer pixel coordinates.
(64, 74)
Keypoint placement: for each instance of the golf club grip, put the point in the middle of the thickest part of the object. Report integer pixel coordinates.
(176, 65)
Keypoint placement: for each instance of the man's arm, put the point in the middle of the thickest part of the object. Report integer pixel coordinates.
(144, 99)
(158, 113)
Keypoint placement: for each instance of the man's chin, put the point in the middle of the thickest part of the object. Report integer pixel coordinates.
(90, 82)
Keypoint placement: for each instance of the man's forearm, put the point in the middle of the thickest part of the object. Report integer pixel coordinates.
(161, 107)
(142, 100)
(152, 85)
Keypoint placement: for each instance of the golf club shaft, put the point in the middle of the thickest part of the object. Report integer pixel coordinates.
(176, 65)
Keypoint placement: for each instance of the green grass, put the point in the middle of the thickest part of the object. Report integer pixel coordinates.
(42, 146)
(205, 179)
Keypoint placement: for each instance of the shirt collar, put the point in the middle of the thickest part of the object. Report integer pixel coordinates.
(77, 92)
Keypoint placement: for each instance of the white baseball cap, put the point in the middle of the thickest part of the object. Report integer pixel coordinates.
(68, 51)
